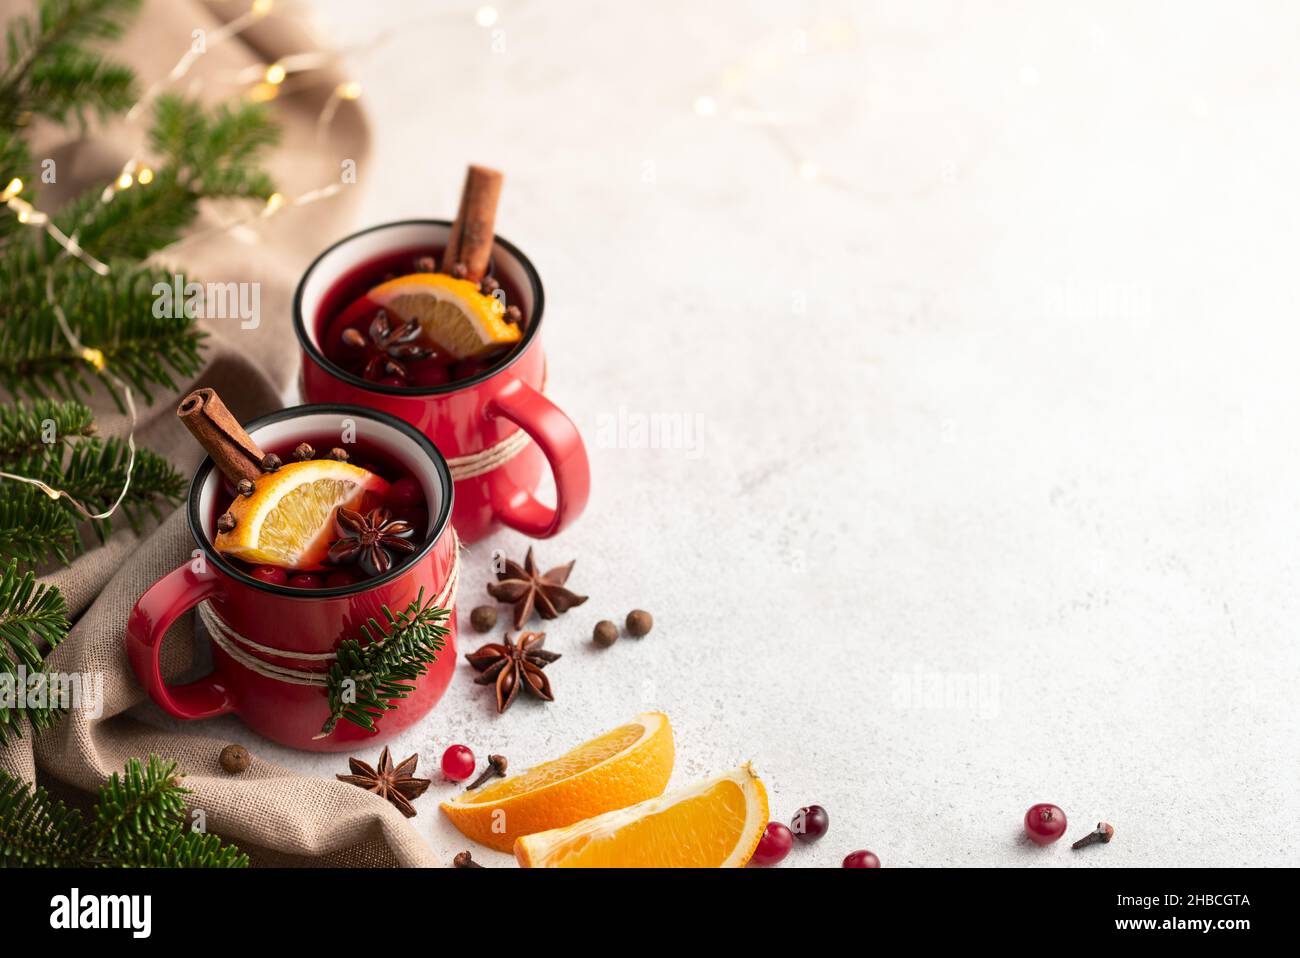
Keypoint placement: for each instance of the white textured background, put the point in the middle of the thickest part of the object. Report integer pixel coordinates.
(986, 313)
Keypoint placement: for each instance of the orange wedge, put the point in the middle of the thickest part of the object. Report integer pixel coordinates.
(288, 521)
(622, 767)
(712, 824)
(455, 317)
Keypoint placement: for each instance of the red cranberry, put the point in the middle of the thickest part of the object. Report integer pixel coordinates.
(773, 846)
(458, 763)
(430, 374)
(861, 859)
(1044, 823)
(419, 520)
(404, 495)
(467, 369)
(269, 573)
(342, 577)
(810, 823)
(307, 581)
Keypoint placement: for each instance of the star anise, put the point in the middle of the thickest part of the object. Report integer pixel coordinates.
(388, 348)
(512, 664)
(398, 785)
(522, 585)
(370, 541)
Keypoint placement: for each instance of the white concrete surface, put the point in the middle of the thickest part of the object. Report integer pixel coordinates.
(986, 315)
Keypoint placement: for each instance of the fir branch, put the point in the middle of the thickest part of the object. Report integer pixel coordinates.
(33, 620)
(139, 821)
(33, 527)
(40, 42)
(135, 224)
(144, 800)
(93, 471)
(29, 428)
(76, 83)
(369, 674)
(114, 314)
(38, 831)
(207, 156)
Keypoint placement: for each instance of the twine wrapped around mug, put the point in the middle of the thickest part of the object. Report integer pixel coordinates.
(498, 454)
(237, 646)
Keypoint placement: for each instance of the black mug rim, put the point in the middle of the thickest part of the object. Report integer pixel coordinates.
(292, 412)
(338, 372)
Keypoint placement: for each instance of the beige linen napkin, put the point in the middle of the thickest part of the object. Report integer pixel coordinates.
(279, 817)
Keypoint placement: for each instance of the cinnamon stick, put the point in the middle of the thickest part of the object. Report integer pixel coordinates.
(474, 229)
(232, 450)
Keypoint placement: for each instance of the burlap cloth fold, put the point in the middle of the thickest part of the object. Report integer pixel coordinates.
(279, 817)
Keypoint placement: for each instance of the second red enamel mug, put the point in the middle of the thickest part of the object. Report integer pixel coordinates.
(498, 430)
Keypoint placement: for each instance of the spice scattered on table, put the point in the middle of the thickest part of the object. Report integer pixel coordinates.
(464, 860)
(234, 759)
(1102, 833)
(605, 633)
(496, 767)
(396, 784)
(512, 664)
(483, 618)
(639, 623)
(527, 589)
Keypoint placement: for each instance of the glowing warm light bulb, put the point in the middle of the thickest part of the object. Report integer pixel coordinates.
(275, 74)
(486, 16)
(273, 203)
(124, 181)
(24, 216)
(705, 106)
(349, 91)
(262, 7)
(93, 356)
(144, 177)
(13, 189)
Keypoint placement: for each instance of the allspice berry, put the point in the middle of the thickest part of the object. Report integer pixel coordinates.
(303, 451)
(483, 618)
(605, 633)
(271, 462)
(234, 759)
(639, 622)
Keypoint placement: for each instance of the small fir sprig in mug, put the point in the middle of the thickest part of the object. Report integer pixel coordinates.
(383, 664)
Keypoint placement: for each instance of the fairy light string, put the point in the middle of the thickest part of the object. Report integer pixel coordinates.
(133, 174)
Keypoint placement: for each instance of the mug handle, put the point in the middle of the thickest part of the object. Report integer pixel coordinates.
(562, 445)
(166, 600)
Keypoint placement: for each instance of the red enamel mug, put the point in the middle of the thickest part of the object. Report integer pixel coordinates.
(272, 645)
(499, 432)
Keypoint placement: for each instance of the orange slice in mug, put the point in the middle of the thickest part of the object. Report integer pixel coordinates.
(455, 317)
(288, 521)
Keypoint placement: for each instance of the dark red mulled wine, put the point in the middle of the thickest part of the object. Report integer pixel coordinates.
(403, 502)
(359, 335)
